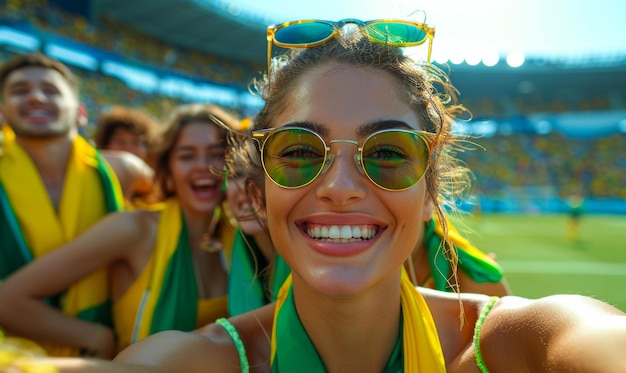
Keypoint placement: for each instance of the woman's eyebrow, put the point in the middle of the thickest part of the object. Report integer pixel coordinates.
(313, 126)
(380, 125)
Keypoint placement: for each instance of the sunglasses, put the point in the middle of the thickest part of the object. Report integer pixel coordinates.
(312, 33)
(392, 159)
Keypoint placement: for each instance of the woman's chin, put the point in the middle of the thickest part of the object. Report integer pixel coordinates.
(339, 282)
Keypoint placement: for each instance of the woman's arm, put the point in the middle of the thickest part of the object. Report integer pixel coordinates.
(208, 349)
(556, 333)
(166, 352)
(593, 339)
(185, 352)
(24, 312)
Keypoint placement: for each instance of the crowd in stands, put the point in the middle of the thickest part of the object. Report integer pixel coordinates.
(135, 47)
(591, 166)
(534, 103)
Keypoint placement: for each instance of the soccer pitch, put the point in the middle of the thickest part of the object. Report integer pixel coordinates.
(540, 259)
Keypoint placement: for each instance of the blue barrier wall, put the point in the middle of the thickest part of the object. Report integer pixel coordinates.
(546, 205)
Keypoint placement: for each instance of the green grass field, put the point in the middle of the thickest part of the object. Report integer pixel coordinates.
(540, 259)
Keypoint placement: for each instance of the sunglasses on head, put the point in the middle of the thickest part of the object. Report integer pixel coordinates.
(311, 33)
(392, 159)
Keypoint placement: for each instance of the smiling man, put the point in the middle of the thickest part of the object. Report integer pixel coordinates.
(53, 184)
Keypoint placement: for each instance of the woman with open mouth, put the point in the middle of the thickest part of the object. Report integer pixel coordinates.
(166, 263)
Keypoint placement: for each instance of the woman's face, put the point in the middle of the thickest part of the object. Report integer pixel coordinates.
(196, 163)
(242, 208)
(123, 139)
(341, 101)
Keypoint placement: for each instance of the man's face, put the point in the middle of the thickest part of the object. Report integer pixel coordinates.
(39, 103)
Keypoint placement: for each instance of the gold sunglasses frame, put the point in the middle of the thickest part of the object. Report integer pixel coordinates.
(272, 29)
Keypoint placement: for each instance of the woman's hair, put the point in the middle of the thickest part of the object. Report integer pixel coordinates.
(133, 120)
(425, 88)
(182, 116)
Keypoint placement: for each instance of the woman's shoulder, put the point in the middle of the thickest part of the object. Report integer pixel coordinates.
(453, 304)
(455, 316)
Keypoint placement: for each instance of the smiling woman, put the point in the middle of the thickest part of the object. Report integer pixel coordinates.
(153, 253)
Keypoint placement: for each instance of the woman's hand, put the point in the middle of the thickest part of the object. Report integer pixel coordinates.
(102, 344)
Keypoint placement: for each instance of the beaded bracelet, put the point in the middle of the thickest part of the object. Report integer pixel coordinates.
(241, 349)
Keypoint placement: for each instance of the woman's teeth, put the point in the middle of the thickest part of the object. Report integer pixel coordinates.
(341, 233)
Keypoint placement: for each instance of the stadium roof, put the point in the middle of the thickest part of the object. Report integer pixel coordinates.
(194, 25)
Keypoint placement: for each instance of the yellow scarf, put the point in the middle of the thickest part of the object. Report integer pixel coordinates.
(420, 340)
(82, 204)
(461, 242)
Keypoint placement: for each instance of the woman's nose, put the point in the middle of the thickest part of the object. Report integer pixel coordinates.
(342, 182)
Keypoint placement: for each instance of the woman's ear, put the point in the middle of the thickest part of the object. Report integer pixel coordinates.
(428, 209)
(82, 118)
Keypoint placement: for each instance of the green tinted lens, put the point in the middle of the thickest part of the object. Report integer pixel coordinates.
(395, 33)
(304, 33)
(395, 160)
(293, 157)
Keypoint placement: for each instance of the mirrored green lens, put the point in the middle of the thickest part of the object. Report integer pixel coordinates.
(395, 160)
(304, 33)
(293, 157)
(394, 33)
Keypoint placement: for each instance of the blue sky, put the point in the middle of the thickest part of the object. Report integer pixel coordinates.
(550, 28)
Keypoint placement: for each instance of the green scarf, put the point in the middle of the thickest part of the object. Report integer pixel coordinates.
(177, 307)
(250, 286)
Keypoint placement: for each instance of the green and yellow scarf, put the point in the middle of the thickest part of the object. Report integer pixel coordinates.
(417, 350)
(165, 296)
(30, 227)
(171, 297)
(475, 263)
